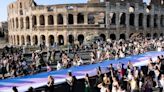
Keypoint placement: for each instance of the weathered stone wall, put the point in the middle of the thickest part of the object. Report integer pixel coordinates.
(31, 24)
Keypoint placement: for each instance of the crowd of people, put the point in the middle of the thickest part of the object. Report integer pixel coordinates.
(11, 63)
(14, 64)
(127, 78)
(103, 50)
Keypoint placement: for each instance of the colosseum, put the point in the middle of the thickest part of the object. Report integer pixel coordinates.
(31, 24)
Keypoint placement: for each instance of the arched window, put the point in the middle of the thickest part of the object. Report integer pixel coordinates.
(35, 40)
(161, 35)
(51, 40)
(21, 23)
(103, 37)
(43, 40)
(148, 20)
(60, 40)
(131, 19)
(113, 37)
(148, 35)
(60, 19)
(91, 18)
(17, 23)
(20, 5)
(113, 19)
(80, 18)
(22, 40)
(122, 36)
(27, 23)
(50, 20)
(42, 20)
(70, 19)
(123, 19)
(162, 21)
(81, 39)
(155, 21)
(28, 40)
(34, 21)
(140, 20)
(71, 39)
(18, 40)
(155, 35)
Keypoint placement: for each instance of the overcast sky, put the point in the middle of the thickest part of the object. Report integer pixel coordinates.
(4, 3)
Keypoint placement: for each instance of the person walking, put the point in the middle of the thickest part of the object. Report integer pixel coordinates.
(87, 84)
(50, 84)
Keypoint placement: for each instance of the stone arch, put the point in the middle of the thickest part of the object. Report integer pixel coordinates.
(27, 23)
(113, 19)
(21, 23)
(80, 18)
(123, 19)
(148, 20)
(123, 36)
(22, 40)
(61, 40)
(51, 40)
(131, 19)
(60, 19)
(50, 20)
(155, 21)
(91, 18)
(35, 40)
(70, 19)
(161, 35)
(17, 23)
(20, 5)
(43, 39)
(34, 21)
(18, 41)
(28, 40)
(42, 20)
(140, 22)
(112, 36)
(103, 37)
(155, 35)
(148, 35)
(71, 39)
(81, 38)
(162, 21)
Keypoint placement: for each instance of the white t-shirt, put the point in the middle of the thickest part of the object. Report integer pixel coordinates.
(103, 89)
(59, 66)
